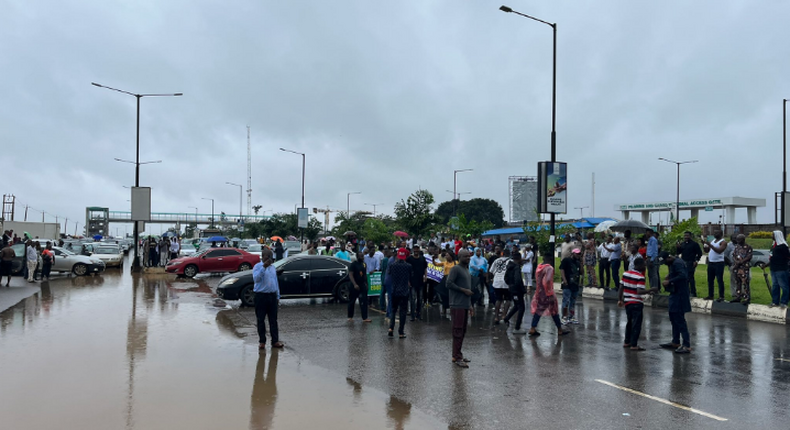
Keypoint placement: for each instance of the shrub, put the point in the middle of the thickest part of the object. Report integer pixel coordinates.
(761, 235)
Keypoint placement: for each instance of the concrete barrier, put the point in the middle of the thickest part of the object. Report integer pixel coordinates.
(767, 314)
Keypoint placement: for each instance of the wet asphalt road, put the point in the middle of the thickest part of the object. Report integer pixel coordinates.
(150, 352)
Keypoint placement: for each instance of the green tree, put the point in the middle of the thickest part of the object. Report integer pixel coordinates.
(461, 226)
(670, 237)
(475, 210)
(376, 231)
(415, 214)
(542, 235)
(349, 222)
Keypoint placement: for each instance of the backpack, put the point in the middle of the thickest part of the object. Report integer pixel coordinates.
(509, 276)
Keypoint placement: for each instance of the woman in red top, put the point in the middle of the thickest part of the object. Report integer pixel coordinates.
(642, 247)
(47, 259)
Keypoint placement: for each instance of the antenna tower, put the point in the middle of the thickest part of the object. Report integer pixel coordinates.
(249, 174)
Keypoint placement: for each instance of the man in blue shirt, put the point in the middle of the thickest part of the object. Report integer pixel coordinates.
(652, 259)
(267, 299)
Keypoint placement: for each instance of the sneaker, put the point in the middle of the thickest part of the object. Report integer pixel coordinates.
(783, 307)
(682, 350)
(565, 320)
(573, 321)
(519, 331)
(773, 305)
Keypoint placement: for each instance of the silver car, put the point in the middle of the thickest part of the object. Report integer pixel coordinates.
(110, 253)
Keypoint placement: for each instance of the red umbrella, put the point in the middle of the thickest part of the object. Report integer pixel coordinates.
(401, 234)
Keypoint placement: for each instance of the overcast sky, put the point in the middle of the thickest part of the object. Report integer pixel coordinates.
(386, 97)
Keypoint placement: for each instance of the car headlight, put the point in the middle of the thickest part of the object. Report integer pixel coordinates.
(228, 281)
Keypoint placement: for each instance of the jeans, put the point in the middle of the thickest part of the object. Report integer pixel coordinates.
(615, 266)
(633, 328)
(604, 270)
(266, 307)
(781, 287)
(415, 301)
(716, 270)
(459, 318)
(690, 269)
(652, 272)
(569, 300)
(399, 305)
(679, 328)
(362, 295)
(518, 306)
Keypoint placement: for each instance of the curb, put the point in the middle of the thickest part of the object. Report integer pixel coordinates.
(754, 312)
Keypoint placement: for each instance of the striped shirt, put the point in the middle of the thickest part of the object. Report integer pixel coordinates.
(632, 280)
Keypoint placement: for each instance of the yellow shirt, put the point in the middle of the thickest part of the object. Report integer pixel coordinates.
(447, 266)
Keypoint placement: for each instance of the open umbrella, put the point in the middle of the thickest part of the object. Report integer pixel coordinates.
(636, 226)
(330, 238)
(276, 238)
(291, 238)
(401, 234)
(97, 237)
(349, 233)
(605, 226)
(217, 239)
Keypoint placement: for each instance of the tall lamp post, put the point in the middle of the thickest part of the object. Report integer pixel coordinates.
(374, 207)
(196, 221)
(553, 26)
(136, 261)
(240, 187)
(348, 202)
(581, 210)
(455, 186)
(784, 164)
(677, 197)
(303, 160)
(211, 224)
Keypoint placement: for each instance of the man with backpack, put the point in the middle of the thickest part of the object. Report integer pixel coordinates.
(516, 287)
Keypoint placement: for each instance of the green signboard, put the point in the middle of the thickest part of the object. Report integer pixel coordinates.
(374, 283)
(709, 209)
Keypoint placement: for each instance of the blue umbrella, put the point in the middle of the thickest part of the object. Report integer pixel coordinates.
(97, 237)
(217, 239)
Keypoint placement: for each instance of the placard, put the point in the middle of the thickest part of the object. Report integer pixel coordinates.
(374, 283)
(302, 217)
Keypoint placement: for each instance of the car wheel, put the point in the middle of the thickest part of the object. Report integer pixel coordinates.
(247, 296)
(80, 269)
(343, 292)
(244, 266)
(190, 271)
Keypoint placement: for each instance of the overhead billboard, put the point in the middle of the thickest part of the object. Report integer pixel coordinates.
(552, 187)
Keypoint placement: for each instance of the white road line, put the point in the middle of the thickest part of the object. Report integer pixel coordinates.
(664, 401)
(783, 359)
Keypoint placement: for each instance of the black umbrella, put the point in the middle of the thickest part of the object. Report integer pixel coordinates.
(349, 233)
(636, 226)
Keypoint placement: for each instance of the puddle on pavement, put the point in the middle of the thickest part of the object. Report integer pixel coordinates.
(150, 353)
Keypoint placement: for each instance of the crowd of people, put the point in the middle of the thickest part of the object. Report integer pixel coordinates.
(38, 259)
(160, 252)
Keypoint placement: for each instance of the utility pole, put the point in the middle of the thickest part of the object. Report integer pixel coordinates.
(249, 174)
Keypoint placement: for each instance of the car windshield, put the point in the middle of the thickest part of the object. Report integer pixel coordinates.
(66, 251)
(279, 263)
(201, 252)
(254, 248)
(106, 249)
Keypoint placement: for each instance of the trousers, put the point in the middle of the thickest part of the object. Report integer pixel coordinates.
(679, 328)
(518, 306)
(716, 270)
(399, 305)
(633, 328)
(266, 308)
(459, 318)
(604, 271)
(362, 295)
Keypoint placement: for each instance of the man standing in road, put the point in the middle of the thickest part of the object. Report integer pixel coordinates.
(498, 270)
(716, 264)
(419, 275)
(478, 268)
(459, 286)
(7, 263)
(570, 269)
(690, 252)
(652, 259)
(267, 299)
(358, 273)
(400, 275)
(630, 297)
(515, 283)
(676, 283)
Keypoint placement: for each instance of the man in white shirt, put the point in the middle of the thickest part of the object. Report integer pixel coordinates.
(31, 257)
(716, 248)
(174, 248)
(604, 265)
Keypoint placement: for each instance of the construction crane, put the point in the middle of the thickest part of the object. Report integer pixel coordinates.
(326, 213)
(249, 174)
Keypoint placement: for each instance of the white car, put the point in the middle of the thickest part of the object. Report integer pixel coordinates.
(255, 248)
(110, 253)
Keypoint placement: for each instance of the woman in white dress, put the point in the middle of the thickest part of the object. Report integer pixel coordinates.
(526, 268)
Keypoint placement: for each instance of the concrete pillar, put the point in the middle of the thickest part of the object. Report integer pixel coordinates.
(751, 215)
(695, 213)
(729, 214)
(626, 214)
(645, 216)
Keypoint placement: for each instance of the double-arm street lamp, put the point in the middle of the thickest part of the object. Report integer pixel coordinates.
(455, 186)
(211, 224)
(136, 261)
(677, 196)
(553, 104)
(374, 207)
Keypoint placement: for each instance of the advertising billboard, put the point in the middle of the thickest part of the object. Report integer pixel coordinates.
(552, 187)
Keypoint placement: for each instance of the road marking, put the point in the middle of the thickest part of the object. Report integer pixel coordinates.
(664, 401)
(783, 359)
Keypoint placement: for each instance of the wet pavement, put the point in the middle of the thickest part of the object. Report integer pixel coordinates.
(151, 352)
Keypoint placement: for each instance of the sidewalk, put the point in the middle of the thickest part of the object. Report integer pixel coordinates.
(20, 290)
(752, 311)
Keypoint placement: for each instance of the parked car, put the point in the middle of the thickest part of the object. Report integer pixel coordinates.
(65, 261)
(760, 256)
(245, 243)
(298, 276)
(213, 260)
(255, 248)
(110, 253)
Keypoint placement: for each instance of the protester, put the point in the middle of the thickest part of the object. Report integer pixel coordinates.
(741, 267)
(544, 302)
(174, 248)
(604, 265)
(590, 258)
(570, 270)
(517, 289)
(498, 270)
(47, 260)
(780, 257)
(359, 279)
(384, 284)
(400, 276)
(279, 251)
(478, 268)
(566, 247)
(715, 264)
(267, 299)
(342, 253)
(676, 283)
(31, 258)
(630, 295)
(615, 250)
(690, 252)
(459, 285)
(651, 254)
(526, 268)
(492, 298)
(6, 263)
(419, 274)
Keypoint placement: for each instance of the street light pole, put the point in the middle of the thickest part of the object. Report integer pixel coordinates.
(196, 209)
(455, 186)
(240, 187)
(348, 202)
(784, 164)
(553, 218)
(303, 163)
(136, 261)
(581, 210)
(374, 207)
(677, 196)
(211, 224)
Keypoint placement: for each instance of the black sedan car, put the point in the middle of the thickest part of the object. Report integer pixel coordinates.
(298, 276)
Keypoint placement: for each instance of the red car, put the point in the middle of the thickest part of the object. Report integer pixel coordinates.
(213, 260)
